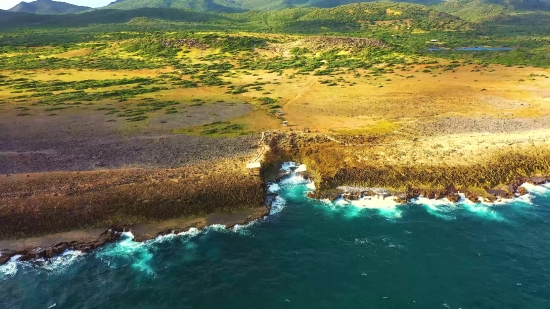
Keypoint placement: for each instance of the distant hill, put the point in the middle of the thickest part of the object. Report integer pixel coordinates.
(235, 5)
(481, 10)
(392, 16)
(18, 19)
(48, 7)
(196, 5)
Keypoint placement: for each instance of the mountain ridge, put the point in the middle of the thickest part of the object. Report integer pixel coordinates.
(470, 10)
(48, 7)
(235, 5)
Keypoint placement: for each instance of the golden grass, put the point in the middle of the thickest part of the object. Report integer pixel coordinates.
(336, 167)
(380, 127)
(76, 75)
(57, 202)
(74, 53)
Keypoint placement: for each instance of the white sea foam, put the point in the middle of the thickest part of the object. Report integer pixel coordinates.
(540, 190)
(192, 232)
(243, 229)
(433, 203)
(311, 185)
(9, 269)
(128, 248)
(445, 209)
(274, 187)
(62, 261)
(441, 208)
(288, 166)
(483, 211)
(140, 253)
(293, 180)
(277, 205)
(215, 228)
(386, 207)
(524, 199)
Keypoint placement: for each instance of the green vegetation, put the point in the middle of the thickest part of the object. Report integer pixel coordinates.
(216, 129)
(230, 5)
(153, 37)
(213, 51)
(140, 110)
(48, 7)
(198, 5)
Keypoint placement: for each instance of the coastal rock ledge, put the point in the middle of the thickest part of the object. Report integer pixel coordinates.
(510, 191)
(46, 253)
(141, 233)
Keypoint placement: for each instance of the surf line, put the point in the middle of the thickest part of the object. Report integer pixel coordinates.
(40, 256)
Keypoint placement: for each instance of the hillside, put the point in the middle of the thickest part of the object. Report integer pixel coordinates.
(394, 16)
(48, 7)
(480, 10)
(234, 5)
(370, 16)
(196, 5)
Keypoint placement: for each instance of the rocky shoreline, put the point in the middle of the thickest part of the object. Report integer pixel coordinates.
(223, 184)
(514, 189)
(141, 233)
(145, 232)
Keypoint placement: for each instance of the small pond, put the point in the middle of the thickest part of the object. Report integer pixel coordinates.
(474, 48)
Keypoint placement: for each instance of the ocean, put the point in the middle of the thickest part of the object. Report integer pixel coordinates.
(314, 254)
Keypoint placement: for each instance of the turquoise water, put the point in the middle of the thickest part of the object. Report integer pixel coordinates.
(484, 48)
(312, 254)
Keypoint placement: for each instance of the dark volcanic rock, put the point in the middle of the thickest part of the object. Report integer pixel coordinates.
(428, 194)
(537, 180)
(369, 193)
(4, 258)
(453, 197)
(522, 191)
(353, 196)
(413, 193)
(401, 199)
(472, 197)
(331, 196)
(57, 249)
(60, 248)
(27, 256)
(500, 193)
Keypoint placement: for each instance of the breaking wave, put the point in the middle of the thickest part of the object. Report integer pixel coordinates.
(9, 269)
(292, 179)
(127, 251)
(54, 265)
(538, 190)
(138, 255)
(441, 208)
(386, 207)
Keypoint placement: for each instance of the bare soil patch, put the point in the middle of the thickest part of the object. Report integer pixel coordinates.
(86, 139)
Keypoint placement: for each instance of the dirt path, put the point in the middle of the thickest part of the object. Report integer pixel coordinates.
(306, 88)
(263, 149)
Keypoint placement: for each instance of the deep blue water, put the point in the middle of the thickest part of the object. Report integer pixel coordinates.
(313, 254)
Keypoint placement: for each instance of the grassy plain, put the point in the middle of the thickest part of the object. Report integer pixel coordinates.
(173, 100)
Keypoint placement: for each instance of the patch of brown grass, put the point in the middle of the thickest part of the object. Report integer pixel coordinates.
(57, 202)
